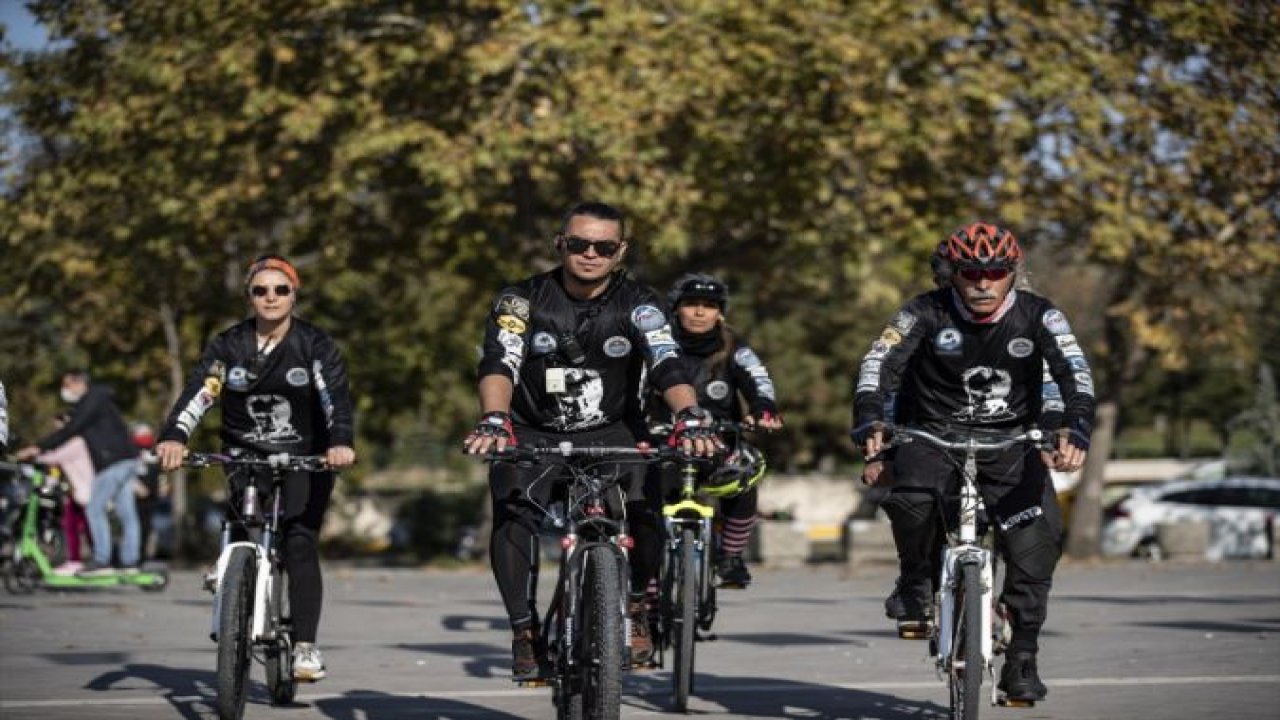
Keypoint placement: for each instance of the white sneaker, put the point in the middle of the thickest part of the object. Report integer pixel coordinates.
(308, 663)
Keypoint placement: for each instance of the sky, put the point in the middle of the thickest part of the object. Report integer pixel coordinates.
(21, 29)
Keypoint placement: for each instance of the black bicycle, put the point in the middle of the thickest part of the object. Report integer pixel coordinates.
(251, 618)
(586, 625)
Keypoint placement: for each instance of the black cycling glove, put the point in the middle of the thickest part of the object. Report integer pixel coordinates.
(693, 422)
(495, 424)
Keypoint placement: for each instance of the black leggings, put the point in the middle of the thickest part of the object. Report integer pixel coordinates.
(304, 501)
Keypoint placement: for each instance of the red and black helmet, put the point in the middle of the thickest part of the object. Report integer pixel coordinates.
(983, 244)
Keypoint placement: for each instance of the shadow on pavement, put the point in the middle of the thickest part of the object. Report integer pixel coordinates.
(373, 705)
(189, 691)
(773, 698)
(483, 661)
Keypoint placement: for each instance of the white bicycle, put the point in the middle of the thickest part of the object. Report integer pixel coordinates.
(961, 643)
(251, 618)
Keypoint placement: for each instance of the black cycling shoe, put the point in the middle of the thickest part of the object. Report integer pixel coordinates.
(733, 572)
(526, 655)
(913, 612)
(1019, 679)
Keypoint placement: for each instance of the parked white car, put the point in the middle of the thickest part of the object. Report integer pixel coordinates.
(1241, 512)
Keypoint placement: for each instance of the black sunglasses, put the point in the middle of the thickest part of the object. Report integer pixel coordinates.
(262, 290)
(578, 246)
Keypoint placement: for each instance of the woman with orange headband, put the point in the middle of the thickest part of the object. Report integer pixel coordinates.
(283, 388)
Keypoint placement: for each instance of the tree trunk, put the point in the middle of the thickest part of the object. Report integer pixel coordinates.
(173, 346)
(1084, 540)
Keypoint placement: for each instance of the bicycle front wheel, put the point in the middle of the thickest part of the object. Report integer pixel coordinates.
(686, 593)
(967, 663)
(234, 619)
(279, 657)
(602, 634)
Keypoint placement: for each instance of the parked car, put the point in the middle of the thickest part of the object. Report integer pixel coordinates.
(1240, 510)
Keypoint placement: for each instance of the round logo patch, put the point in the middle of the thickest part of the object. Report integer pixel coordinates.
(543, 342)
(647, 318)
(617, 346)
(1056, 322)
(238, 378)
(948, 340)
(717, 390)
(891, 336)
(297, 377)
(1021, 347)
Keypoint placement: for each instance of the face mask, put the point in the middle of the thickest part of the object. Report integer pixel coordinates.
(69, 396)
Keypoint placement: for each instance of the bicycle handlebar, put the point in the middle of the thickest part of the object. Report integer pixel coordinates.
(283, 462)
(567, 449)
(1033, 436)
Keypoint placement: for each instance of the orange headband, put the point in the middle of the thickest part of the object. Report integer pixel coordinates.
(274, 263)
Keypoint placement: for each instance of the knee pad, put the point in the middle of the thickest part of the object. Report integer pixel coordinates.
(1033, 549)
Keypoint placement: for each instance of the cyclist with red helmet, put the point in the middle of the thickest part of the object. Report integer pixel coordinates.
(966, 356)
(724, 368)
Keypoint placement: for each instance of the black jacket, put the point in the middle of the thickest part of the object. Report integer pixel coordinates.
(948, 369)
(96, 419)
(294, 399)
(577, 365)
(719, 384)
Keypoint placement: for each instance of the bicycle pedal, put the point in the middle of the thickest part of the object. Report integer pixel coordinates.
(1015, 703)
(914, 630)
(532, 683)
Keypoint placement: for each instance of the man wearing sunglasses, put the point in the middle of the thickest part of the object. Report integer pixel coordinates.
(967, 356)
(564, 354)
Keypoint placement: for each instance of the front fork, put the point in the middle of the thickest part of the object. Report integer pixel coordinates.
(952, 559)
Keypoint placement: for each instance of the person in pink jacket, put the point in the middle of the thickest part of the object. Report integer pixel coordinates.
(77, 465)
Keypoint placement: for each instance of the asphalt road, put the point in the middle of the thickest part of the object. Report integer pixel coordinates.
(1124, 641)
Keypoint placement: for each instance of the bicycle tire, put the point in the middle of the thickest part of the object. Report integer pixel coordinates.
(234, 619)
(281, 684)
(967, 663)
(685, 617)
(602, 638)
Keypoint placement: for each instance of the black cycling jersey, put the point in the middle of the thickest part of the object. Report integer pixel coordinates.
(293, 398)
(719, 381)
(949, 368)
(577, 364)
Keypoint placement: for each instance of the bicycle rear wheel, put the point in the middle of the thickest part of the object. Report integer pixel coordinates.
(686, 588)
(279, 657)
(967, 663)
(602, 639)
(234, 641)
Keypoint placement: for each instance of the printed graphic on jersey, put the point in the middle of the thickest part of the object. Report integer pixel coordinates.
(746, 358)
(1021, 347)
(891, 337)
(322, 389)
(717, 390)
(1084, 382)
(543, 343)
(647, 318)
(1077, 362)
(662, 346)
(1069, 346)
(617, 346)
(512, 351)
(903, 322)
(272, 420)
(513, 305)
(988, 395)
(297, 377)
(1056, 322)
(580, 402)
(948, 341)
(878, 350)
(511, 323)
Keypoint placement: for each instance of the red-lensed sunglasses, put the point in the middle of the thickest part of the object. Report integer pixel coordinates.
(976, 274)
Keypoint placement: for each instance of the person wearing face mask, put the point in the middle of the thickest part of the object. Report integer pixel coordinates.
(95, 418)
(282, 383)
(967, 356)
